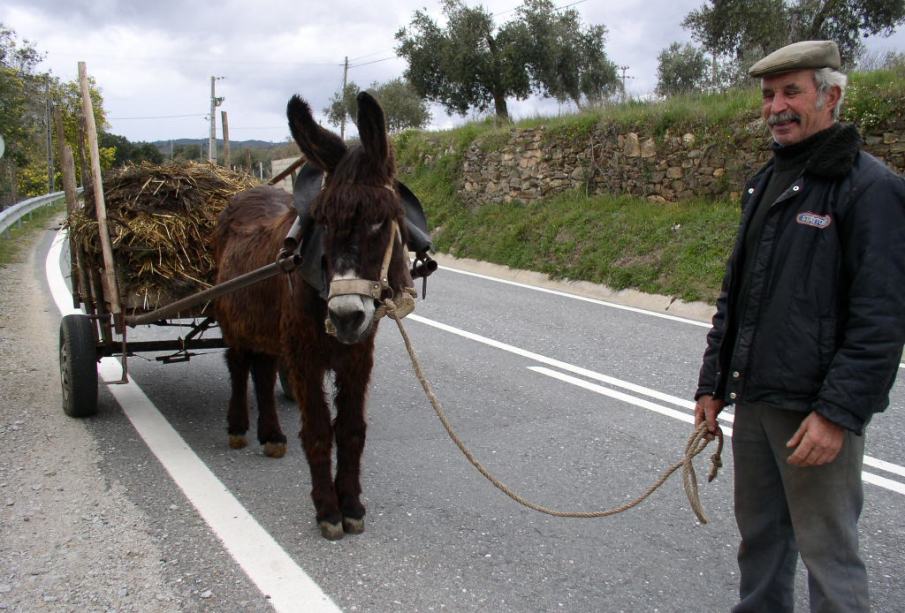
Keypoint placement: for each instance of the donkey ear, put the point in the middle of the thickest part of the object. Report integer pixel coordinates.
(372, 127)
(323, 148)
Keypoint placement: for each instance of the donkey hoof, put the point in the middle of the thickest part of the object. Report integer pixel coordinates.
(274, 450)
(353, 526)
(330, 531)
(237, 441)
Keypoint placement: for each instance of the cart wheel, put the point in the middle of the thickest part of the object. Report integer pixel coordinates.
(284, 383)
(78, 366)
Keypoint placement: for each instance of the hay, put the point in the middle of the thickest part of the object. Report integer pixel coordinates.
(161, 220)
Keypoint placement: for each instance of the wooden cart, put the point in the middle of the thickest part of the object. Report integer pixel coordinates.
(102, 330)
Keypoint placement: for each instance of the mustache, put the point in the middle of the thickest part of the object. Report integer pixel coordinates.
(782, 117)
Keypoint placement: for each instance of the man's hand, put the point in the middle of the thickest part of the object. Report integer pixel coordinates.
(817, 441)
(706, 410)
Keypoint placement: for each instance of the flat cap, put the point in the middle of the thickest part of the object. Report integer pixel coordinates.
(799, 56)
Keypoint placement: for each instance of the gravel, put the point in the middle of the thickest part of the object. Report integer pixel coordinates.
(70, 540)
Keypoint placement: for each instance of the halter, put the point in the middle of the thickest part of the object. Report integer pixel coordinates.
(365, 287)
(380, 291)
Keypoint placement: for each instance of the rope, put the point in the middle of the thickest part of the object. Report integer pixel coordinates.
(700, 438)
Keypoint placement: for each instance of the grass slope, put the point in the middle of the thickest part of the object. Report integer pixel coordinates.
(17, 238)
(677, 250)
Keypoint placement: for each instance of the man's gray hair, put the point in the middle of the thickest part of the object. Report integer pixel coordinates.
(825, 79)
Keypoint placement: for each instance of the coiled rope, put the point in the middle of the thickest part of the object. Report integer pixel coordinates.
(696, 444)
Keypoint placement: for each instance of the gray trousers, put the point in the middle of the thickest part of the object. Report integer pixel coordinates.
(783, 510)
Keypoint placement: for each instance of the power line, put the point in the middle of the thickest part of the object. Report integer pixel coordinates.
(198, 115)
(373, 62)
(555, 8)
(352, 59)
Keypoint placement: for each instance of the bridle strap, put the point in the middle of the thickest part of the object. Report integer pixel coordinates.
(362, 287)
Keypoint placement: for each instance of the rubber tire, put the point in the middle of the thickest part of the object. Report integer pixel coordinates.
(78, 366)
(284, 383)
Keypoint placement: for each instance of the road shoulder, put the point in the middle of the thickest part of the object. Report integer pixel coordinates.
(71, 540)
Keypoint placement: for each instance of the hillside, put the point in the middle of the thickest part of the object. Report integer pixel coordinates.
(164, 145)
(642, 195)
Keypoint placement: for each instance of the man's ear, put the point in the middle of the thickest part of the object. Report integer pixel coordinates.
(831, 97)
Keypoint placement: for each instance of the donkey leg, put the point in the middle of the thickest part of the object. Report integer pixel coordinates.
(264, 376)
(350, 430)
(237, 415)
(317, 441)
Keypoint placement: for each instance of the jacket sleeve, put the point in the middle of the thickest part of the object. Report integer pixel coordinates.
(872, 234)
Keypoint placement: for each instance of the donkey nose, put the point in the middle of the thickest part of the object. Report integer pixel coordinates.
(348, 320)
(349, 324)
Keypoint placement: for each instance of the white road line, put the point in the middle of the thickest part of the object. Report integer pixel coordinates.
(633, 400)
(590, 374)
(889, 484)
(883, 465)
(611, 305)
(883, 482)
(269, 567)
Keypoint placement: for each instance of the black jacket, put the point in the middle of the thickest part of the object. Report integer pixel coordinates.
(825, 320)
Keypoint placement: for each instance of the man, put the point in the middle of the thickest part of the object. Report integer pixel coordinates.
(807, 337)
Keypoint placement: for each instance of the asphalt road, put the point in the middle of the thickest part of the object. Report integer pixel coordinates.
(505, 361)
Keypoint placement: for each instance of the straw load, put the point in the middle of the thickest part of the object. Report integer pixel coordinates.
(161, 220)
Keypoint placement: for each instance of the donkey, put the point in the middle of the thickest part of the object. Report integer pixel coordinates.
(282, 320)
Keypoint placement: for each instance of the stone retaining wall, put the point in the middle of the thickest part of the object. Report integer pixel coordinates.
(536, 162)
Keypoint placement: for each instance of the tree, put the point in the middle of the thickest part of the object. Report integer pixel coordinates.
(342, 105)
(189, 152)
(740, 28)
(468, 64)
(681, 69)
(19, 93)
(473, 64)
(24, 97)
(127, 152)
(401, 104)
(565, 61)
(67, 97)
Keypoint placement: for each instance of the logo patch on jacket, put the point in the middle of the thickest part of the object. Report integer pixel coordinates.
(814, 220)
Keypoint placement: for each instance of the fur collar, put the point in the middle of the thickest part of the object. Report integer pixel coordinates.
(836, 156)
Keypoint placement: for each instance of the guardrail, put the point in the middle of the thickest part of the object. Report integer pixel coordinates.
(14, 214)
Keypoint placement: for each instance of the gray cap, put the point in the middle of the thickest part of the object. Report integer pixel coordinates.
(798, 56)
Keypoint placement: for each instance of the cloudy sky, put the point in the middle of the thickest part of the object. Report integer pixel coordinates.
(153, 59)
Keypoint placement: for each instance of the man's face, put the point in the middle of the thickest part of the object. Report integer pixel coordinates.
(790, 104)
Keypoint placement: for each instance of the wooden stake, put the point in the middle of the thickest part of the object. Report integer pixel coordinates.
(79, 281)
(111, 291)
(225, 139)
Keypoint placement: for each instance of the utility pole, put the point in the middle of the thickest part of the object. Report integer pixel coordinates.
(342, 95)
(225, 138)
(215, 102)
(623, 78)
